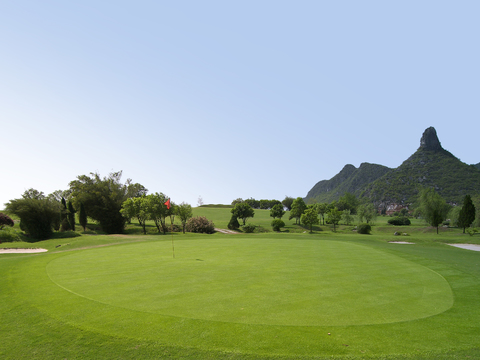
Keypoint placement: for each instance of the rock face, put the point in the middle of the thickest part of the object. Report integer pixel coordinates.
(429, 140)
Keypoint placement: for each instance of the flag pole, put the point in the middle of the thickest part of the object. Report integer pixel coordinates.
(167, 203)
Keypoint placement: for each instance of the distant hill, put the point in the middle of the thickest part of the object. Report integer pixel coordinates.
(430, 166)
(350, 179)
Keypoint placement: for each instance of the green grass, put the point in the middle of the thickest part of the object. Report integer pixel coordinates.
(289, 295)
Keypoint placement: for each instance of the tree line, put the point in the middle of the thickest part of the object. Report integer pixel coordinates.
(108, 201)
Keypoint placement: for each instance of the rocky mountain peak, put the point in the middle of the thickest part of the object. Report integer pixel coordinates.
(429, 140)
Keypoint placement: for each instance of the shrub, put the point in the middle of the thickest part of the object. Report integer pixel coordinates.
(277, 224)
(200, 224)
(233, 224)
(249, 228)
(5, 220)
(399, 221)
(9, 235)
(364, 229)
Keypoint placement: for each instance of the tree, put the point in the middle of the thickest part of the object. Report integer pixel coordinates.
(467, 214)
(185, 212)
(82, 217)
(136, 207)
(367, 212)
(348, 202)
(433, 207)
(5, 220)
(102, 198)
(233, 224)
(243, 211)
(347, 217)
(298, 207)
(37, 216)
(310, 216)
(33, 194)
(322, 209)
(334, 216)
(277, 211)
(157, 210)
(71, 215)
(236, 201)
(287, 202)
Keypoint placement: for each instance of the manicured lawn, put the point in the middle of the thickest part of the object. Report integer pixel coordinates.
(251, 296)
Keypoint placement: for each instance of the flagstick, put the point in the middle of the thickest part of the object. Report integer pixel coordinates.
(173, 247)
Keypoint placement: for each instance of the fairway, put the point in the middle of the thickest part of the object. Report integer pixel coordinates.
(273, 282)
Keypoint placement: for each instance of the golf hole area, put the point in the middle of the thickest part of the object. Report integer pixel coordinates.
(278, 281)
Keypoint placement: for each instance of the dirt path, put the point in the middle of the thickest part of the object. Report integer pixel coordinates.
(225, 231)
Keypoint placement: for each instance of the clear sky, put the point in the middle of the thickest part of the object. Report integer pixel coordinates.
(228, 99)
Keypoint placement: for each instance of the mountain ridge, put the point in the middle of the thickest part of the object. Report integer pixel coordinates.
(429, 166)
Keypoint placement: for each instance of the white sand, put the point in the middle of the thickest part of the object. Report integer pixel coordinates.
(467, 246)
(401, 242)
(21, 251)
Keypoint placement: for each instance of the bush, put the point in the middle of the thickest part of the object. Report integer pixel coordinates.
(277, 224)
(200, 224)
(233, 224)
(5, 220)
(399, 221)
(9, 235)
(364, 229)
(249, 228)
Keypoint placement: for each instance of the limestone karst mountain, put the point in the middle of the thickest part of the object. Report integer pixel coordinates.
(430, 166)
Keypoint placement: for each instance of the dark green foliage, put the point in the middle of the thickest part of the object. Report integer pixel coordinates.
(399, 221)
(9, 235)
(200, 224)
(233, 223)
(254, 204)
(102, 198)
(37, 216)
(243, 211)
(82, 217)
(277, 224)
(5, 220)
(364, 229)
(467, 213)
(71, 215)
(287, 202)
(249, 228)
(277, 211)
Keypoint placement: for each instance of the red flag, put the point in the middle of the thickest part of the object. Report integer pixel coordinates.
(168, 204)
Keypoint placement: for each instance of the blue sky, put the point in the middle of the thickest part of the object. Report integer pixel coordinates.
(225, 99)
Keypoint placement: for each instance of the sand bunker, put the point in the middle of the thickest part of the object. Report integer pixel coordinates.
(401, 242)
(467, 246)
(21, 251)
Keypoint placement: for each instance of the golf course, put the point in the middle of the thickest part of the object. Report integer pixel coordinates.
(266, 295)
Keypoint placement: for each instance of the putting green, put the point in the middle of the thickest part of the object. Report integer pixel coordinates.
(270, 282)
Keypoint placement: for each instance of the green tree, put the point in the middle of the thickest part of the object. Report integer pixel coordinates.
(233, 224)
(243, 211)
(367, 212)
(82, 217)
(310, 217)
(322, 209)
(347, 217)
(467, 214)
(185, 212)
(334, 216)
(348, 202)
(287, 202)
(102, 198)
(157, 210)
(298, 207)
(433, 207)
(136, 207)
(71, 215)
(277, 211)
(37, 216)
